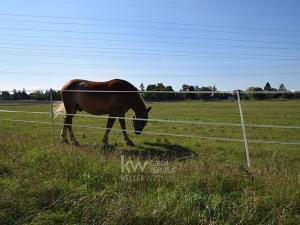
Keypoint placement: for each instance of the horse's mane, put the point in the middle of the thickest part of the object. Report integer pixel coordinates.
(133, 88)
(130, 86)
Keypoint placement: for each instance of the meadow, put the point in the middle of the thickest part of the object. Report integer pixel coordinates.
(195, 181)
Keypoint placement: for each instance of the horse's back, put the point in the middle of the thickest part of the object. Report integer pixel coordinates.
(112, 85)
(73, 94)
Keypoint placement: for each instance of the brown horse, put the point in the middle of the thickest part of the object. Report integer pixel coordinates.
(114, 97)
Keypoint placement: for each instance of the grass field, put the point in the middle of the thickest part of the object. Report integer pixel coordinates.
(42, 183)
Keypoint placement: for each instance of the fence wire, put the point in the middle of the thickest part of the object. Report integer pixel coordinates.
(242, 125)
(159, 133)
(191, 122)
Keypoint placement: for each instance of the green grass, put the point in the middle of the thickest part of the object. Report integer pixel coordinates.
(42, 183)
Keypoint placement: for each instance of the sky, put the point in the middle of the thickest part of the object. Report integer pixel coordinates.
(232, 44)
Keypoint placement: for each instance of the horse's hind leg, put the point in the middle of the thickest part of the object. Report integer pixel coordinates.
(70, 112)
(67, 127)
(63, 133)
(68, 121)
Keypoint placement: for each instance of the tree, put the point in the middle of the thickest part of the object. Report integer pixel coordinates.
(24, 95)
(159, 96)
(187, 88)
(184, 87)
(142, 87)
(205, 95)
(255, 95)
(15, 95)
(267, 87)
(191, 95)
(282, 87)
(5, 95)
(56, 95)
(151, 96)
(170, 96)
(285, 95)
(39, 95)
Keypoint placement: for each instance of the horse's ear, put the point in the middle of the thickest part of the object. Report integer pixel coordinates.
(149, 108)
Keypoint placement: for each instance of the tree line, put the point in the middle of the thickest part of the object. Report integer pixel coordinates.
(35, 95)
(171, 95)
(215, 95)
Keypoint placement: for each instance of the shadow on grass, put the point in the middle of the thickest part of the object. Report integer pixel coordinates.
(162, 151)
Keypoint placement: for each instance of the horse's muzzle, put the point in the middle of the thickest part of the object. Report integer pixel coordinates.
(138, 132)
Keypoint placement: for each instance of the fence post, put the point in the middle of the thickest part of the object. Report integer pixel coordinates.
(244, 130)
(52, 116)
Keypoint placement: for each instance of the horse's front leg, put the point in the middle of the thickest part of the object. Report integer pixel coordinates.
(123, 126)
(109, 125)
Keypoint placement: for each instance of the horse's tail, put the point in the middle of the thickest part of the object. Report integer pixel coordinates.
(59, 110)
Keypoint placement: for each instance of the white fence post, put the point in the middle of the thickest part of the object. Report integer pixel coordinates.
(52, 116)
(244, 130)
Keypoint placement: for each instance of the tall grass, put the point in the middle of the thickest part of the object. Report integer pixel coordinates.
(42, 183)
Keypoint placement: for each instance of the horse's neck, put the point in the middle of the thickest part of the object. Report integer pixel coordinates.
(138, 105)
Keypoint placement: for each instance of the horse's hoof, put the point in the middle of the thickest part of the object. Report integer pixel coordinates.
(64, 141)
(107, 147)
(104, 146)
(129, 143)
(75, 143)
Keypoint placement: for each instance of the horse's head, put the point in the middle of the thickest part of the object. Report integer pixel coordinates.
(140, 121)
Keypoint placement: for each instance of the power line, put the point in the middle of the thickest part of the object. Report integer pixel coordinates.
(52, 75)
(118, 50)
(149, 27)
(149, 42)
(158, 57)
(230, 11)
(96, 65)
(149, 22)
(86, 65)
(148, 35)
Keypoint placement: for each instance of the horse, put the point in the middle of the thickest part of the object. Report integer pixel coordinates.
(113, 97)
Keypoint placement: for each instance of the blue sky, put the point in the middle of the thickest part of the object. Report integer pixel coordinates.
(231, 44)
